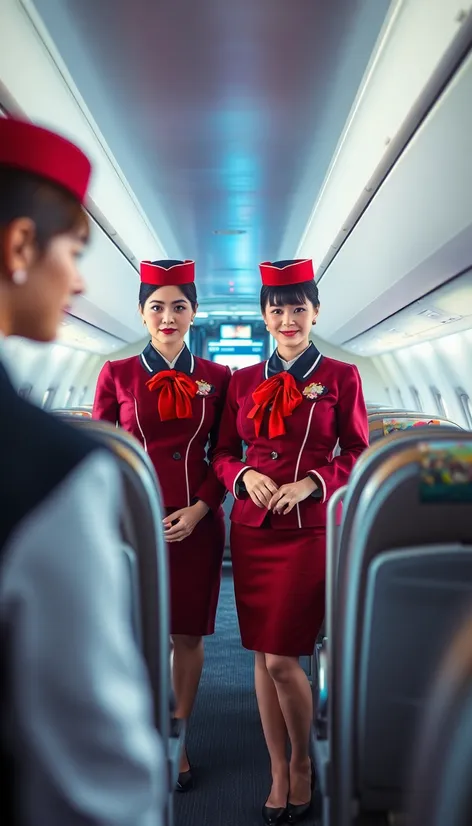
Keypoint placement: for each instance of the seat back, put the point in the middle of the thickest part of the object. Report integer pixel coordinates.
(132, 571)
(364, 468)
(337, 543)
(143, 534)
(406, 573)
(441, 787)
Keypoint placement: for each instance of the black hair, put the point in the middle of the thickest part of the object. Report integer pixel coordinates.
(289, 294)
(53, 209)
(188, 290)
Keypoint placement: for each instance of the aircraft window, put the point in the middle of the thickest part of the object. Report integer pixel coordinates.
(417, 398)
(465, 404)
(82, 396)
(25, 391)
(69, 396)
(48, 398)
(439, 401)
(399, 392)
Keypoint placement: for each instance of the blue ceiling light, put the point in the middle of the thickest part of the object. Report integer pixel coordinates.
(229, 231)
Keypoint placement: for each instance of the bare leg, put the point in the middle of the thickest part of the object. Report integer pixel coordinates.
(187, 665)
(295, 699)
(275, 732)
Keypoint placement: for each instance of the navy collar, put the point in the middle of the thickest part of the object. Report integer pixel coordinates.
(153, 362)
(304, 366)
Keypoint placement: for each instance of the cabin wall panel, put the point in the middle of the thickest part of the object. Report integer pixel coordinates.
(444, 364)
(45, 366)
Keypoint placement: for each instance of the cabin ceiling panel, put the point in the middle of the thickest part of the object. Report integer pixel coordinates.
(221, 115)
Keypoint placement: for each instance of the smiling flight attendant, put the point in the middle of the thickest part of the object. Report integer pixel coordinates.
(172, 402)
(290, 411)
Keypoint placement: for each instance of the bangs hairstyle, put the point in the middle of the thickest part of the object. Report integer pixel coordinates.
(289, 294)
(189, 291)
(53, 209)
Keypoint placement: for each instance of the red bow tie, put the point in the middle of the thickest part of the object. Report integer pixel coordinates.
(177, 392)
(282, 394)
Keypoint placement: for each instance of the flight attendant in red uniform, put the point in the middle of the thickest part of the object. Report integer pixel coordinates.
(290, 411)
(172, 402)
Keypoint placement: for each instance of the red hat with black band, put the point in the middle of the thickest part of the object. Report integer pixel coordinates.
(167, 273)
(33, 149)
(286, 273)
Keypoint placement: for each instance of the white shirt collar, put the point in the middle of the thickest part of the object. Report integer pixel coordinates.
(170, 364)
(288, 364)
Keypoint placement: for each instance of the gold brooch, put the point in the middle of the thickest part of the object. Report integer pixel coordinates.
(314, 391)
(203, 388)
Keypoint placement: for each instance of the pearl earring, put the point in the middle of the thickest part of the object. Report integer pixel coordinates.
(19, 277)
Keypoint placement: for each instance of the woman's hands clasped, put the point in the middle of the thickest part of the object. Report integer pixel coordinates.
(185, 520)
(260, 488)
(265, 493)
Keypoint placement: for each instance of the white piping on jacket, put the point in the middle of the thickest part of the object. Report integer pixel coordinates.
(315, 364)
(188, 450)
(300, 457)
(145, 363)
(139, 423)
(243, 470)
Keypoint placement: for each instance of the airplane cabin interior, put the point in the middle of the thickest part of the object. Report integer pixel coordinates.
(232, 133)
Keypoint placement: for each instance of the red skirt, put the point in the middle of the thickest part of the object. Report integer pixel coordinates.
(279, 584)
(195, 576)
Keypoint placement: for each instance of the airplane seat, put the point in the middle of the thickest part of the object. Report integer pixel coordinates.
(336, 547)
(145, 554)
(406, 574)
(326, 685)
(441, 790)
(384, 421)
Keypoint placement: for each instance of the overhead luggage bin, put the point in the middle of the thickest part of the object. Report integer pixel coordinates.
(440, 790)
(403, 573)
(145, 555)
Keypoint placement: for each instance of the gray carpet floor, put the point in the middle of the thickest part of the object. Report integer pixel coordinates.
(225, 742)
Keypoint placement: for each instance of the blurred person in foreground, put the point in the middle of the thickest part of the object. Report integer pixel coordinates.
(77, 741)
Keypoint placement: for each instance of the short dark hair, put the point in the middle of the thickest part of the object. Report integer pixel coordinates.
(54, 210)
(188, 290)
(289, 294)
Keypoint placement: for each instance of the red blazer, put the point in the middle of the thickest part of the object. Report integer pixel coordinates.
(177, 446)
(332, 409)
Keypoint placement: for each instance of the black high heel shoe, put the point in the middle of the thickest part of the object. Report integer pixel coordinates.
(295, 814)
(185, 781)
(274, 817)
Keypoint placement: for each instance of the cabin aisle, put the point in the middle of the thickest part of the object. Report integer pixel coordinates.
(226, 744)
